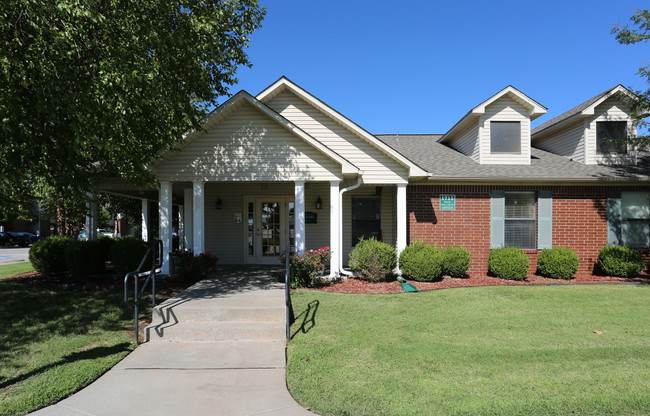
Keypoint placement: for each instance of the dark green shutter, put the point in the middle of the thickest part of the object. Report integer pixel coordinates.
(614, 217)
(544, 219)
(497, 218)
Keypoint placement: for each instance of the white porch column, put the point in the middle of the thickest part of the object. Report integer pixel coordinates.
(189, 219)
(145, 220)
(198, 189)
(334, 229)
(181, 227)
(165, 223)
(300, 217)
(401, 218)
(91, 218)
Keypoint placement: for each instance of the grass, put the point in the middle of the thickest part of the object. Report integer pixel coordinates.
(54, 341)
(9, 270)
(489, 350)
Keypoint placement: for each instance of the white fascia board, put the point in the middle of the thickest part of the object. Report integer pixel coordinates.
(414, 170)
(590, 111)
(536, 109)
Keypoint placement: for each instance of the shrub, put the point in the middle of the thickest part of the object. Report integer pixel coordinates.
(106, 243)
(84, 257)
(508, 263)
(372, 260)
(193, 267)
(621, 261)
(304, 270)
(126, 253)
(558, 263)
(455, 261)
(48, 255)
(422, 262)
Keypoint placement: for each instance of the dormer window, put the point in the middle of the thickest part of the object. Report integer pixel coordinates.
(611, 137)
(505, 137)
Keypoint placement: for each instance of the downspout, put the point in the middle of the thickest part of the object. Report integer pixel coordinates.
(349, 188)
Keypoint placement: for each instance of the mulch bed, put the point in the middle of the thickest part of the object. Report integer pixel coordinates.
(356, 286)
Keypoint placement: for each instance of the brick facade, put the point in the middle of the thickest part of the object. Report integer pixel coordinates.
(579, 219)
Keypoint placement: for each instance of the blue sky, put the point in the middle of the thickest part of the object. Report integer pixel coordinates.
(419, 66)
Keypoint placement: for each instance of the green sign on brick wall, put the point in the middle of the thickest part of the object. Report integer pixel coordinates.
(447, 202)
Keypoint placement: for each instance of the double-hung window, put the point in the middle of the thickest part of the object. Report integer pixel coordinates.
(611, 137)
(522, 219)
(628, 219)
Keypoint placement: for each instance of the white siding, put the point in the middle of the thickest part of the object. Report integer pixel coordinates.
(504, 109)
(388, 220)
(228, 240)
(609, 110)
(569, 142)
(377, 166)
(467, 143)
(245, 146)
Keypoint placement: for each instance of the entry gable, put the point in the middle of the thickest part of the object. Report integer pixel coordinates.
(380, 163)
(245, 140)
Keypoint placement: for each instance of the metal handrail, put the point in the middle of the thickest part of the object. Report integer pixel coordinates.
(155, 251)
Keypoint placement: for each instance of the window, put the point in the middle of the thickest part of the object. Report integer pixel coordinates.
(520, 218)
(611, 137)
(505, 137)
(366, 218)
(635, 219)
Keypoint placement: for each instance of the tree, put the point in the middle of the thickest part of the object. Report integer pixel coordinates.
(638, 32)
(91, 89)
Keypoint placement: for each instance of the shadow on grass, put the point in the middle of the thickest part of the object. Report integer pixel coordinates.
(308, 318)
(91, 354)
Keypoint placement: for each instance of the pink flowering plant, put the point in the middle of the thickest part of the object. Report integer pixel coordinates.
(305, 270)
(189, 266)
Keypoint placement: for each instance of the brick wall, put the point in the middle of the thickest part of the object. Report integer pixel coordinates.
(579, 220)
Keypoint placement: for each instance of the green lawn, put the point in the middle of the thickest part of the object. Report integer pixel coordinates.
(474, 351)
(9, 270)
(55, 341)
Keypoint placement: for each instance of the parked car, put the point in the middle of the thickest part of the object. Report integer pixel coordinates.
(21, 239)
(6, 239)
(82, 235)
(32, 237)
(103, 231)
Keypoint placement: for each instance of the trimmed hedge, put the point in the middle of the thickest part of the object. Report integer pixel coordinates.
(455, 261)
(620, 261)
(48, 255)
(508, 263)
(558, 263)
(373, 260)
(126, 253)
(84, 257)
(421, 262)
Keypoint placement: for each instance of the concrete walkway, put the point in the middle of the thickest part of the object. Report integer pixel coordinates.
(218, 348)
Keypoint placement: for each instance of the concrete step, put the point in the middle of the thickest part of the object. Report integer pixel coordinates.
(215, 331)
(162, 314)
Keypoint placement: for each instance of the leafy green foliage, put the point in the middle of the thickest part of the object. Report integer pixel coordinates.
(373, 260)
(191, 267)
(422, 262)
(621, 261)
(558, 263)
(508, 263)
(305, 269)
(84, 257)
(126, 253)
(93, 89)
(48, 255)
(455, 261)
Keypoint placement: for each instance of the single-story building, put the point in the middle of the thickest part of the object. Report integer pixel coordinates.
(283, 169)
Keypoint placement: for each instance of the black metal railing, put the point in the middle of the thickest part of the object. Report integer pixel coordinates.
(155, 254)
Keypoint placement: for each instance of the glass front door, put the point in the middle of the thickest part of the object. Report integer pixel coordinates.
(267, 229)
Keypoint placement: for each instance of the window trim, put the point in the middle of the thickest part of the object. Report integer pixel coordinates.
(529, 220)
(599, 152)
(504, 122)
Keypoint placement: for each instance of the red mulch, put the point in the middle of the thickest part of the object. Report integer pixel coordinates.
(357, 286)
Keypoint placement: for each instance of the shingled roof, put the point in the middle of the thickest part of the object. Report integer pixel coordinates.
(444, 162)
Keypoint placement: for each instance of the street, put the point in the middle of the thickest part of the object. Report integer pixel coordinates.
(10, 255)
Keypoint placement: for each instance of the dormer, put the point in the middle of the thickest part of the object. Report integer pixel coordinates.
(497, 131)
(594, 132)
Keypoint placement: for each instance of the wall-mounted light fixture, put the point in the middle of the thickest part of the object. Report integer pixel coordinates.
(319, 203)
(218, 204)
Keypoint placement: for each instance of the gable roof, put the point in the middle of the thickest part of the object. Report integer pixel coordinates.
(536, 109)
(285, 83)
(226, 108)
(447, 164)
(585, 109)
